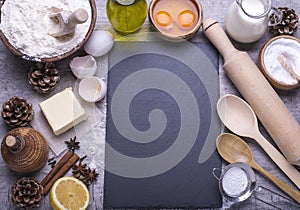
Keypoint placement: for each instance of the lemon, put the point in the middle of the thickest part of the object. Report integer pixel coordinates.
(69, 193)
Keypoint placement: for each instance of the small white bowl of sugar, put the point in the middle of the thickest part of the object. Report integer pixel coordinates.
(279, 61)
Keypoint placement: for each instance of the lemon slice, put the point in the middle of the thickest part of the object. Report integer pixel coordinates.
(69, 193)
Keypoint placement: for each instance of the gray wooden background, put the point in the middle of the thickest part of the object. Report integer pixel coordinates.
(13, 77)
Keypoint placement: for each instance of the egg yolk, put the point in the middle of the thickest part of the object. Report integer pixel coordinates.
(186, 18)
(163, 18)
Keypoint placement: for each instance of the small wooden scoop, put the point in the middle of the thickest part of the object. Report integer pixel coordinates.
(283, 60)
(68, 27)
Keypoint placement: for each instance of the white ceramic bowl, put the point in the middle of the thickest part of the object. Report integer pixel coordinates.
(92, 89)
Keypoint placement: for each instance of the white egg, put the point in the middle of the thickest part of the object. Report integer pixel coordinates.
(83, 66)
(99, 43)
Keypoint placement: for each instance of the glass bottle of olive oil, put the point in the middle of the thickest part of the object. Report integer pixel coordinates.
(126, 16)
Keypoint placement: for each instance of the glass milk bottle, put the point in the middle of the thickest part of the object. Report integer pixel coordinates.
(247, 20)
(126, 16)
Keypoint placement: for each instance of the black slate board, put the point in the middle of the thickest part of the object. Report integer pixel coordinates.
(152, 157)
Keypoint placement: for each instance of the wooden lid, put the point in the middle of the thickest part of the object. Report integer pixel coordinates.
(14, 143)
(24, 150)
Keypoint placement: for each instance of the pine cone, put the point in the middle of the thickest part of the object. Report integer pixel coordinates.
(17, 112)
(26, 193)
(43, 77)
(288, 24)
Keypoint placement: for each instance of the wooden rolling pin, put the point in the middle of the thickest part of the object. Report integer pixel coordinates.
(267, 105)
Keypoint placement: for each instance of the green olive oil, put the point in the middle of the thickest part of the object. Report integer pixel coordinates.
(126, 16)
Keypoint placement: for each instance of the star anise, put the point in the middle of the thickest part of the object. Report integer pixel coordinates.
(73, 144)
(90, 176)
(79, 170)
(84, 173)
(52, 162)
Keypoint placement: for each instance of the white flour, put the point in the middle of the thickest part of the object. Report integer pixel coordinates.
(26, 24)
(289, 49)
(234, 181)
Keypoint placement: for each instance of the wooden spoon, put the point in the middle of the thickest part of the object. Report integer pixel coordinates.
(239, 117)
(234, 149)
(64, 28)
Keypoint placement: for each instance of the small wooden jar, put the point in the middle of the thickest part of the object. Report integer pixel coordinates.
(24, 150)
(274, 82)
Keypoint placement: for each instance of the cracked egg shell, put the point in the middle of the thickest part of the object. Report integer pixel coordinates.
(92, 89)
(83, 67)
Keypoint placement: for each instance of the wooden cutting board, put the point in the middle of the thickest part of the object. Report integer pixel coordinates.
(162, 126)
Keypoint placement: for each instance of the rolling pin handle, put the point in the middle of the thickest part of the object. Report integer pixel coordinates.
(219, 38)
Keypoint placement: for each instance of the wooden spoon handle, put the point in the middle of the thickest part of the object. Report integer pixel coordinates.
(283, 186)
(278, 159)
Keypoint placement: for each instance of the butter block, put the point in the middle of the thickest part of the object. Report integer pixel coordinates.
(63, 111)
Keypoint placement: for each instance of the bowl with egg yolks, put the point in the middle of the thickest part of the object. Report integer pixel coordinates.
(177, 19)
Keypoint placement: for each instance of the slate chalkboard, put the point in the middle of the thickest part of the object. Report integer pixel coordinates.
(162, 126)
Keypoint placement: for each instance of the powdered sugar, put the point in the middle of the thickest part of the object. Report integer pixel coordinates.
(27, 24)
(289, 49)
(234, 181)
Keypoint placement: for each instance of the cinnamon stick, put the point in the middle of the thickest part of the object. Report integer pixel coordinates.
(61, 172)
(56, 168)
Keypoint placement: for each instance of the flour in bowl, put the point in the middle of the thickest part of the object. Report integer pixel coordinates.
(27, 25)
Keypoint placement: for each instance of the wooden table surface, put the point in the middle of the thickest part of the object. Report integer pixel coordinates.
(14, 82)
